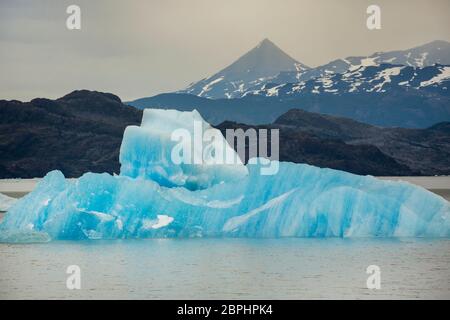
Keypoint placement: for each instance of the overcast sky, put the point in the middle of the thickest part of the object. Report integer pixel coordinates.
(140, 48)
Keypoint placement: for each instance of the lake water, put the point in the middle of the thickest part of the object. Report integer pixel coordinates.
(228, 269)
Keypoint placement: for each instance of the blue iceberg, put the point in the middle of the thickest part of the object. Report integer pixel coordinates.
(154, 198)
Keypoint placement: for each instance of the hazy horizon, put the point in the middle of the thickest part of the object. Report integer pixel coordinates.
(141, 48)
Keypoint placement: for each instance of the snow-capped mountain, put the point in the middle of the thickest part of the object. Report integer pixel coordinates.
(435, 52)
(267, 66)
(425, 55)
(364, 79)
(257, 66)
(411, 90)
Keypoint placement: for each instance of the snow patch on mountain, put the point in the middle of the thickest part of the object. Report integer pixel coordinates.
(207, 87)
(443, 75)
(385, 75)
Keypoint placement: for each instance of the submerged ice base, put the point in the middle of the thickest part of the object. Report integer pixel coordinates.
(233, 201)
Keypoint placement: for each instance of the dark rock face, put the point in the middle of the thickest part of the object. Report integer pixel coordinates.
(83, 131)
(345, 144)
(425, 151)
(77, 133)
(302, 147)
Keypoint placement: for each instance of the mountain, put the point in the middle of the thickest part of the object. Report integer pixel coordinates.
(368, 79)
(393, 108)
(270, 66)
(425, 55)
(252, 110)
(406, 88)
(83, 130)
(349, 145)
(77, 133)
(429, 54)
(258, 65)
(425, 151)
(301, 147)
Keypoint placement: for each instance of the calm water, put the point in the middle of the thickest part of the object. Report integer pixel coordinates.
(227, 269)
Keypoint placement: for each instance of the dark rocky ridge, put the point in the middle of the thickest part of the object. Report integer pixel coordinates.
(425, 151)
(346, 144)
(83, 130)
(77, 133)
(302, 147)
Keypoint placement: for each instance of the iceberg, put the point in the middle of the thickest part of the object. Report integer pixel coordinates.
(155, 198)
(149, 151)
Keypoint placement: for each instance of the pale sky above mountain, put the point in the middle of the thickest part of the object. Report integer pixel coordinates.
(139, 48)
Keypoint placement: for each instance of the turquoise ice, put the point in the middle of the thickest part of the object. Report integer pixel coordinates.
(153, 198)
(146, 151)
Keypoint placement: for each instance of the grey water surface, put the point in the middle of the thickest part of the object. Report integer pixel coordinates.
(291, 268)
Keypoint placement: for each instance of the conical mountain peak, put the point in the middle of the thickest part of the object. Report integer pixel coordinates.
(266, 43)
(263, 62)
(265, 59)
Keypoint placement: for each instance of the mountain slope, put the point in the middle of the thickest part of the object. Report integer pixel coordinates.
(302, 147)
(425, 151)
(368, 79)
(345, 144)
(264, 61)
(435, 52)
(425, 55)
(77, 133)
(83, 130)
(400, 108)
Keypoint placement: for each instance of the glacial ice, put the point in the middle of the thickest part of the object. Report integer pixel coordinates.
(146, 151)
(154, 198)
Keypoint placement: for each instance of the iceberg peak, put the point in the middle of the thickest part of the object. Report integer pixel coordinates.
(178, 149)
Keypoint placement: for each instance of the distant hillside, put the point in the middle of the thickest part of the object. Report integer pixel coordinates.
(302, 147)
(77, 133)
(429, 54)
(425, 151)
(396, 108)
(83, 131)
(366, 79)
(345, 144)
